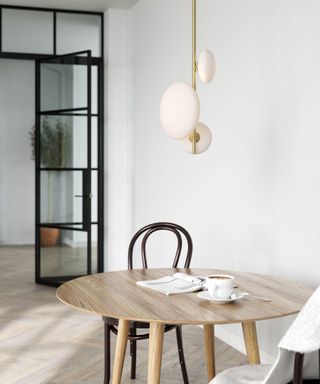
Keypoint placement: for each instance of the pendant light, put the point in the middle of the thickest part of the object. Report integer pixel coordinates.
(180, 105)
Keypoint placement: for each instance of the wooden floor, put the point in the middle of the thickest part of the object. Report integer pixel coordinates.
(44, 341)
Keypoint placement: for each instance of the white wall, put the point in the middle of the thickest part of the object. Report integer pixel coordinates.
(252, 201)
(118, 226)
(16, 167)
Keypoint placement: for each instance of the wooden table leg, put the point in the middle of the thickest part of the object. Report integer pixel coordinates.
(251, 341)
(122, 339)
(209, 350)
(155, 352)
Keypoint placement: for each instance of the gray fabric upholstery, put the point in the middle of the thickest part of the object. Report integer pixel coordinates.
(303, 336)
(246, 374)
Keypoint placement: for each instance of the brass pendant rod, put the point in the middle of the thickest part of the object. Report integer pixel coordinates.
(194, 63)
(194, 44)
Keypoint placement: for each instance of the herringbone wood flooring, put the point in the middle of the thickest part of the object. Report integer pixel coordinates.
(43, 341)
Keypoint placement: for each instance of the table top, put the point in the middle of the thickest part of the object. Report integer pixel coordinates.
(116, 295)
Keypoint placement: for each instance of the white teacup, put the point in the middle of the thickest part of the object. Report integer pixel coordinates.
(220, 286)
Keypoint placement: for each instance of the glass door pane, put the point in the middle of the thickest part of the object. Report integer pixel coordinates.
(63, 86)
(27, 31)
(61, 198)
(67, 256)
(78, 31)
(63, 141)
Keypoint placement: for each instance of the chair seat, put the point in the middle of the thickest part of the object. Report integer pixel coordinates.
(253, 374)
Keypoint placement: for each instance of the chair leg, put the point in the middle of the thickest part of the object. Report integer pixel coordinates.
(133, 353)
(298, 368)
(107, 353)
(181, 355)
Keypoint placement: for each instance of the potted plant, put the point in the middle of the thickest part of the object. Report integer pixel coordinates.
(55, 148)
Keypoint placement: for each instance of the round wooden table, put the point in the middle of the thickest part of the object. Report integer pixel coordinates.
(116, 295)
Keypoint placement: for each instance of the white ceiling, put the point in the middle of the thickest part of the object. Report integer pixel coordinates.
(85, 5)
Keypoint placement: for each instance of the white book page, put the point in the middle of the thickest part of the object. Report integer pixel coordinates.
(171, 285)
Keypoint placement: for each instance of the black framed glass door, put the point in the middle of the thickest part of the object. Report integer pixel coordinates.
(69, 168)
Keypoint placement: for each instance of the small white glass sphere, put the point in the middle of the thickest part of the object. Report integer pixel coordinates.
(179, 110)
(203, 135)
(206, 66)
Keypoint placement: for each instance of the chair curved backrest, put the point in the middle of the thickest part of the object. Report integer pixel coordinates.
(161, 226)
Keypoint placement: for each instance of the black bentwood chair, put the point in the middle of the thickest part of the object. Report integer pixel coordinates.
(111, 324)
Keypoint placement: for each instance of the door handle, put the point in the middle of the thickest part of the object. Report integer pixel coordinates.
(85, 196)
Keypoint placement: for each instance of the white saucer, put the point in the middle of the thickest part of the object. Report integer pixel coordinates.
(205, 296)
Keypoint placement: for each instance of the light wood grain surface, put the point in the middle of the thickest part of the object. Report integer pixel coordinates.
(44, 341)
(208, 333)
(115, 294)
(251, 342)
(155, 352)
(122, 339)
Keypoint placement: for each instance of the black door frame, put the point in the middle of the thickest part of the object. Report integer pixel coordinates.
(96, 61)
(76, 58)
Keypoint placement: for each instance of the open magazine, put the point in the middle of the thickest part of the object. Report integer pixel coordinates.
(175, 284)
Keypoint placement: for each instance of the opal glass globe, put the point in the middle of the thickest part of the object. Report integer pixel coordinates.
(206, 66)
(203, 137)
(179, 110)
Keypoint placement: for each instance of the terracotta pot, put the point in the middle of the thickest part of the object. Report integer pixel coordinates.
(49, 236)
